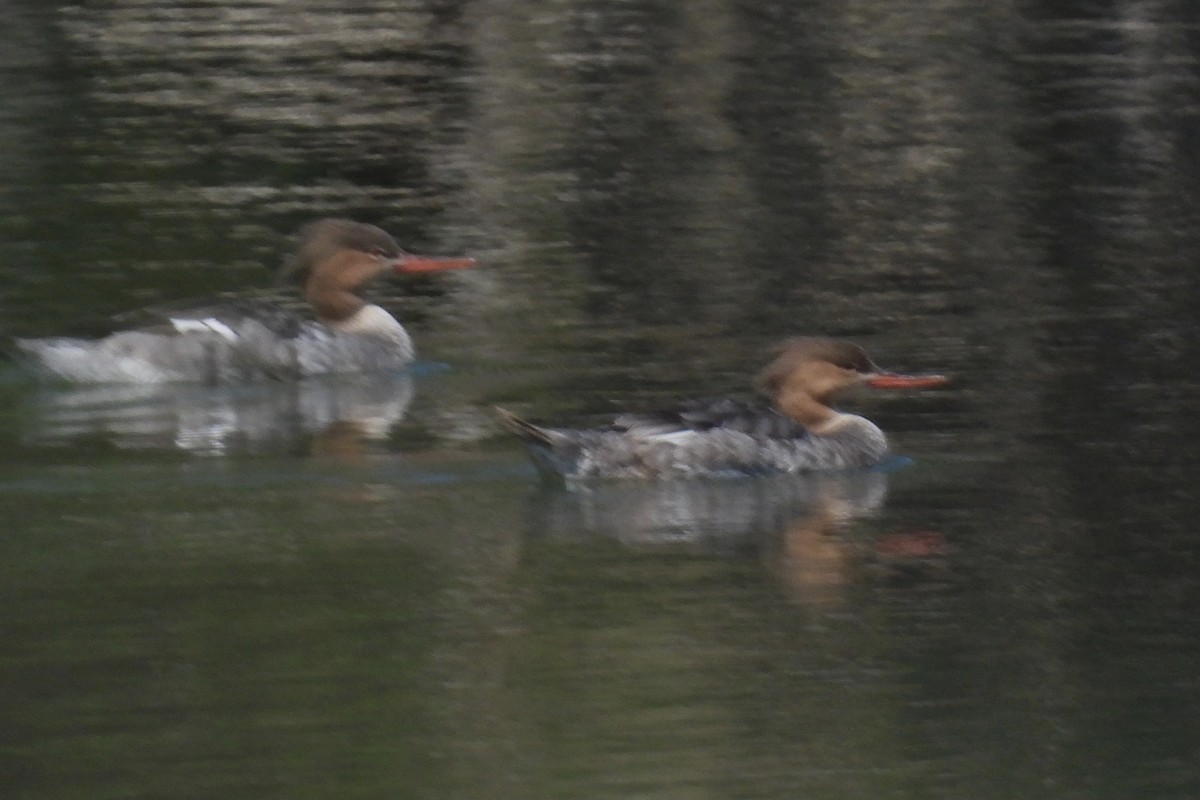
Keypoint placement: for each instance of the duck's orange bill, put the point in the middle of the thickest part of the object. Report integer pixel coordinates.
(893, 380)
(409, 264)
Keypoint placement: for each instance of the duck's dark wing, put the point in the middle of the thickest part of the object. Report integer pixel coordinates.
(754, 419)
(215, 314)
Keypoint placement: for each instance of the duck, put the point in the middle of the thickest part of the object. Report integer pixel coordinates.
(792, 429)
(241, 340)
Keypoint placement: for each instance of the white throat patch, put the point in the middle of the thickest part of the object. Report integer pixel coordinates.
(371, 320)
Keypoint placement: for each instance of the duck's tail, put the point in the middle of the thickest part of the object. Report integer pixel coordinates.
(526, 430)
(554, 452)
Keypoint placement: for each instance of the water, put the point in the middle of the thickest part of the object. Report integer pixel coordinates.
(360, 588)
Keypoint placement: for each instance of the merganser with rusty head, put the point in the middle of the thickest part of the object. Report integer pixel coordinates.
(244, 340)
(795, 431)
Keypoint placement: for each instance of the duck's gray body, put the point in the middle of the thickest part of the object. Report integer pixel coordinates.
(231, 343)
(722, 438)
(796, 431)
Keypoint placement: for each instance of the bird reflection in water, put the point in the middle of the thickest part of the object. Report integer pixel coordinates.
(806, 529)
(333, 416)
(820, 555)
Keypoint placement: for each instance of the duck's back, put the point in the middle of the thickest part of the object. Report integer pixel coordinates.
(703, 438)
(215, 343)
(756, 420)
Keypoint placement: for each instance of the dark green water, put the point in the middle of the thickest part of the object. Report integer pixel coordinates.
(358, 588)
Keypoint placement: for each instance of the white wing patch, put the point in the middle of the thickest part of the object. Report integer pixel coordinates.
(674, 437)
(208, 325)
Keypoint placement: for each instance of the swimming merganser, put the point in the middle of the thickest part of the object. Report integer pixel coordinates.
(245, 340)
(796, 432)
